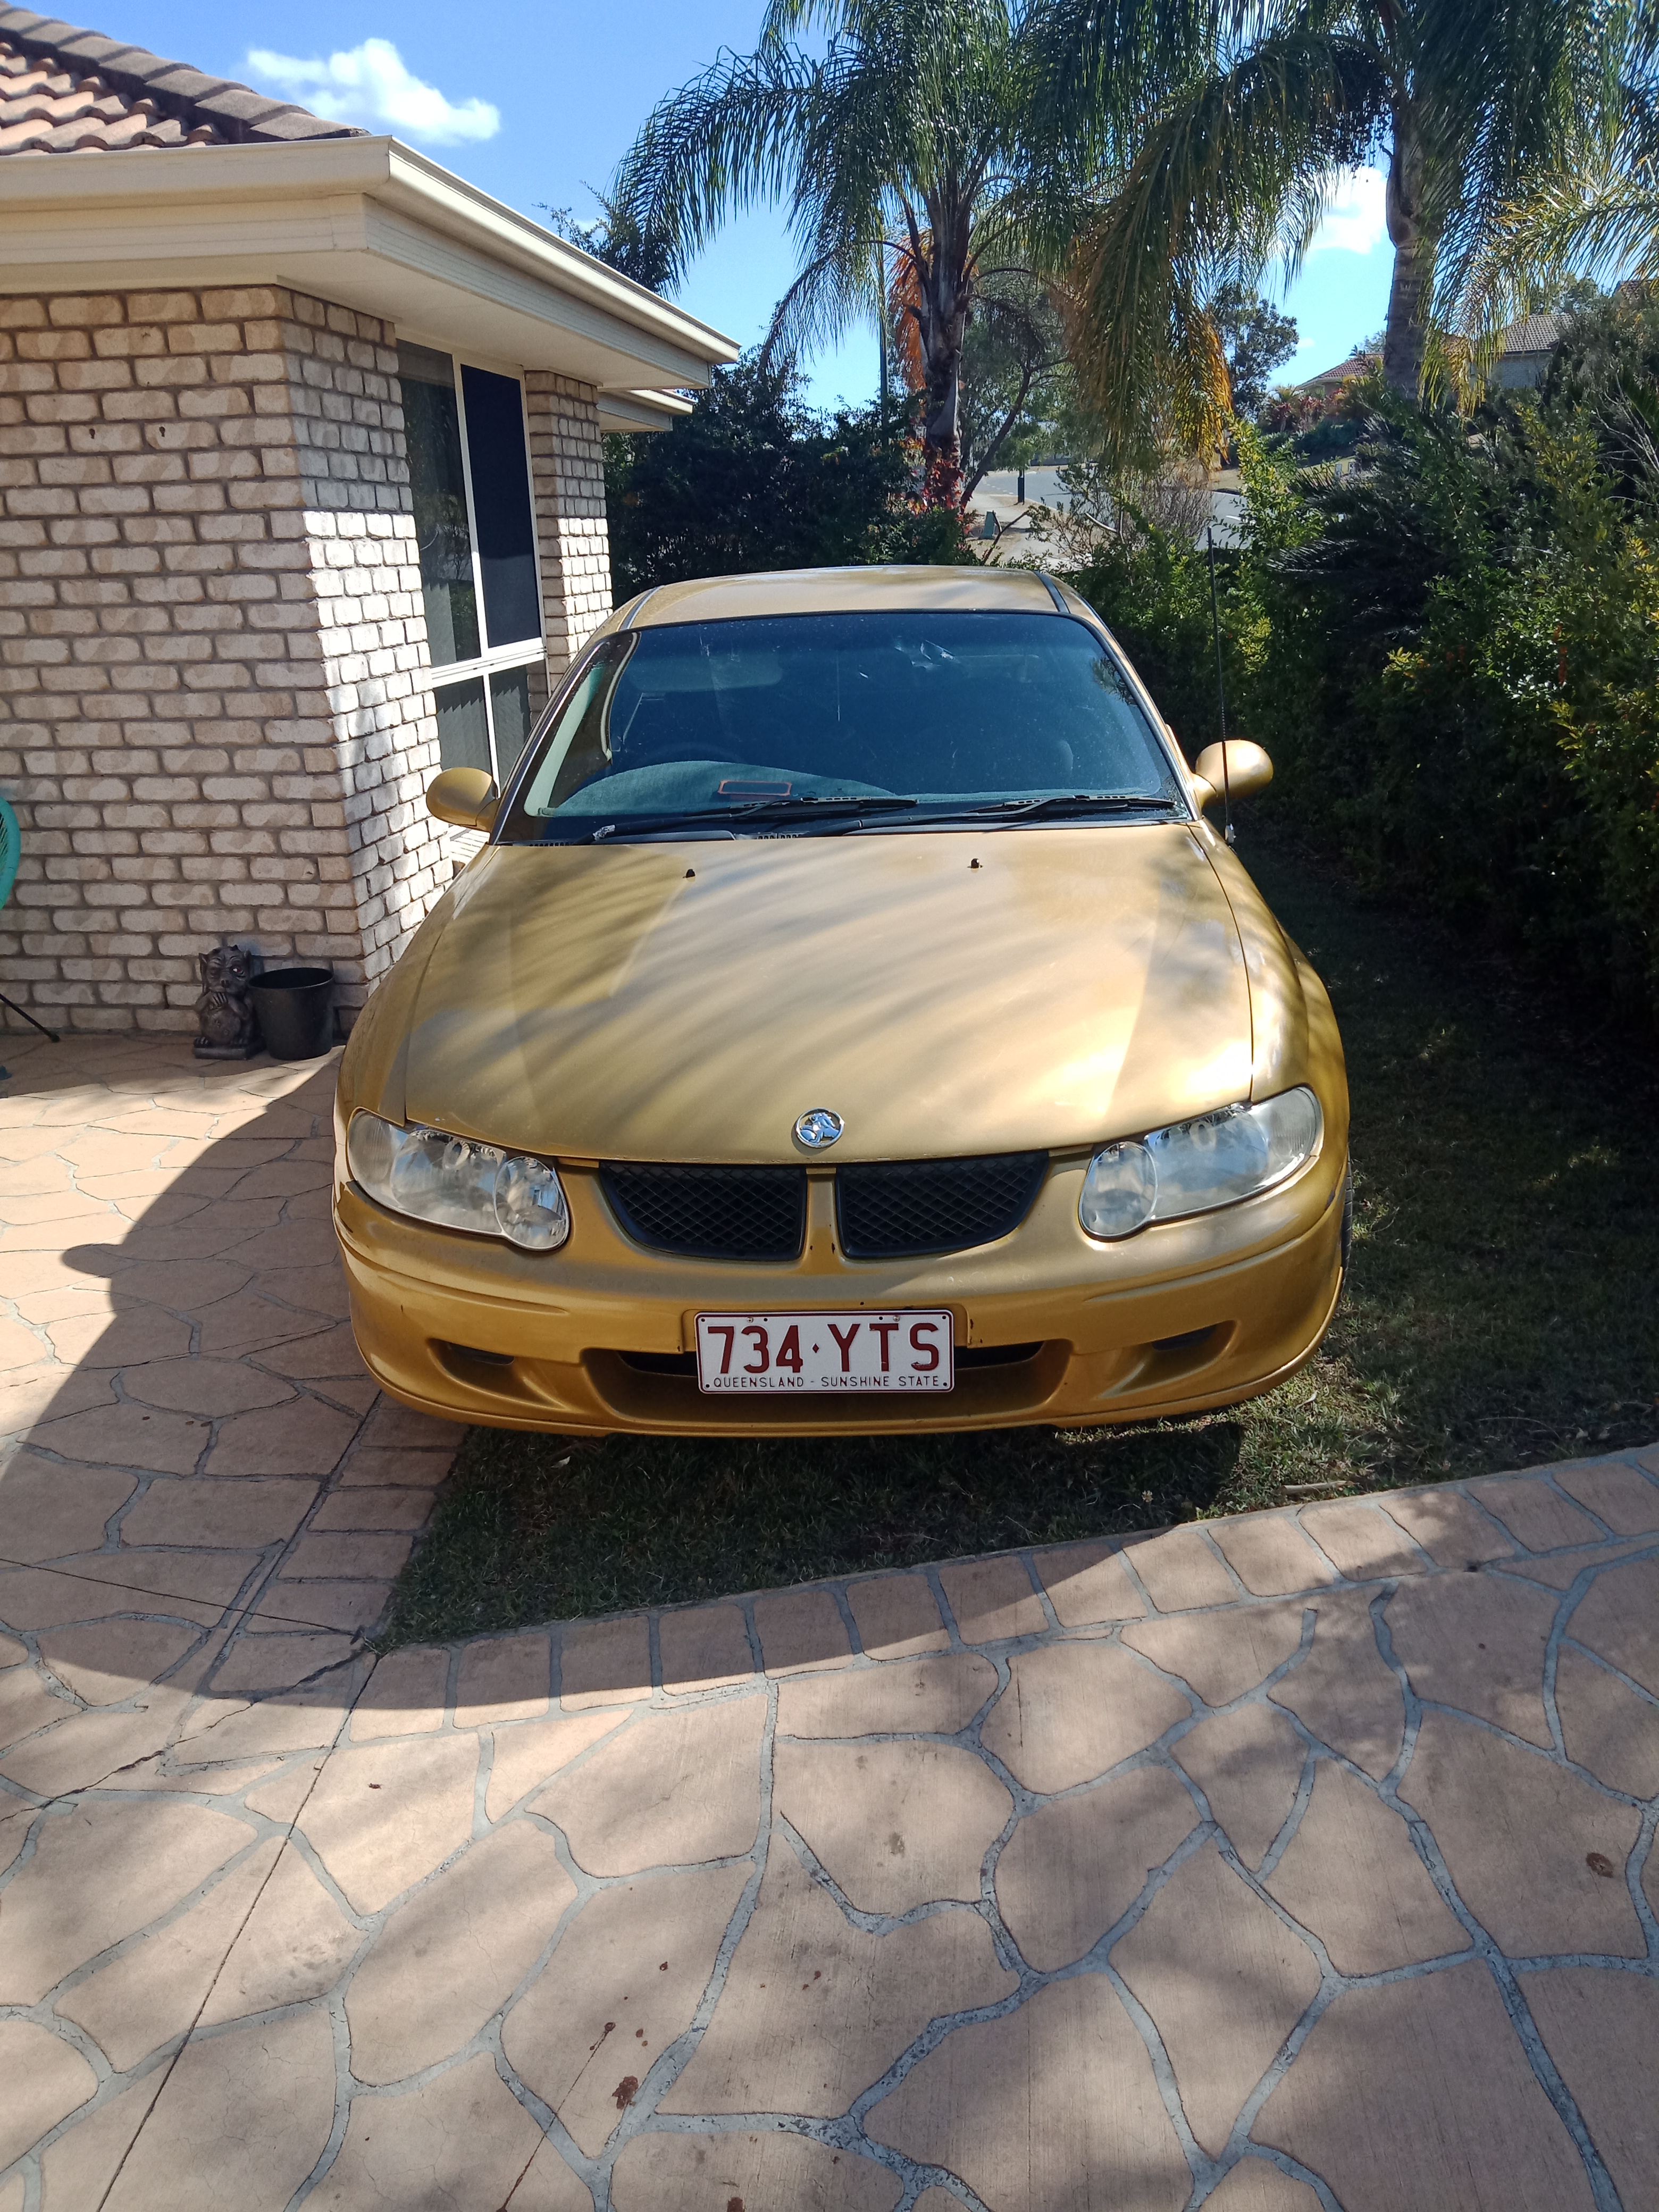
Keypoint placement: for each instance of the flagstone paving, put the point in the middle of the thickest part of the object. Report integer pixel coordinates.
(1302, 1859)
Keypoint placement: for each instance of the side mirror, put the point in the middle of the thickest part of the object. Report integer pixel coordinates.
(466, 797)
(1246, 768)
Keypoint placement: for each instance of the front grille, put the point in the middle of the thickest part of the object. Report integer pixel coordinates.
(710, 1213)
(900, 1209)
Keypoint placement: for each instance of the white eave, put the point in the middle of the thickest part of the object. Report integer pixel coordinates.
(365, 222)
(642, 410)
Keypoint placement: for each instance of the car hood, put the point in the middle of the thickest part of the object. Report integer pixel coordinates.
(945, 993)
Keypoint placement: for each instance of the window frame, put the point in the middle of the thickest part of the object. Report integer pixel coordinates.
(523, 652)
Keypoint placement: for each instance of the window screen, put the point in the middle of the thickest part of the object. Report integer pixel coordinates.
(500, 503)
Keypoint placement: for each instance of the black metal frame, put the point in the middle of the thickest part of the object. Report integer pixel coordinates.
(29, 1019)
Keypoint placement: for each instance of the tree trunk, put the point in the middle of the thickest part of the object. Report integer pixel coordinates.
(982, 464)
(941, 437)
(944, 301)
(1407, 331)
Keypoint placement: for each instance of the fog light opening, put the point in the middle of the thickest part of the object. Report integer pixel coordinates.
(1176, 1358)
(1188, 1341)
(477, 1355)
(995, 1355)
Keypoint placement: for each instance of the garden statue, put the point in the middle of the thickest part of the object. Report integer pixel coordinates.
(225, 1009)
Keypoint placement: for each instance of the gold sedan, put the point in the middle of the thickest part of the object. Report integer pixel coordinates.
(852, 1023)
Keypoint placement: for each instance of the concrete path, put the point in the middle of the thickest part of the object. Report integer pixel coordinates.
(1301, 1859)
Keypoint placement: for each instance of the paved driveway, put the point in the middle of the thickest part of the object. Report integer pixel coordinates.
(1301, 1859)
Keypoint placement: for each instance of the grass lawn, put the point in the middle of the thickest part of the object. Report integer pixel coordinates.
(1501, 1311)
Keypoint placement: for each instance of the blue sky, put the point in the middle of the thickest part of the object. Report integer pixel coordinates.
(535, 103)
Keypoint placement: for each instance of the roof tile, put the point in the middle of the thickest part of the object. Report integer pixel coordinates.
(1534, 333)
(188, 83)
(236, 101)
(64, 90)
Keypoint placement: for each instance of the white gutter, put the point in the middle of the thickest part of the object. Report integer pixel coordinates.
(448, 202)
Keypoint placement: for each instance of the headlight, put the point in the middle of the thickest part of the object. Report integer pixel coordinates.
(1193, 1166)
(451, 1181)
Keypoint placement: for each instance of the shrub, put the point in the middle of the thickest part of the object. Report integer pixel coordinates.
(1452, 653)
(1153, 590)
(1461, 673)
(753, 478)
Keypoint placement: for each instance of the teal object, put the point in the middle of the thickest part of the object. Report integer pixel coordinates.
(11, 852)
(11, 848)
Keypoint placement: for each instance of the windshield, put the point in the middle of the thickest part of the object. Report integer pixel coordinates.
(842, 719)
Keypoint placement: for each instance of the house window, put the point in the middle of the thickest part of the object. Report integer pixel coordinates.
(470, 477)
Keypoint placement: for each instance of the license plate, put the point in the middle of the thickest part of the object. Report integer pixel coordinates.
(894, 1351)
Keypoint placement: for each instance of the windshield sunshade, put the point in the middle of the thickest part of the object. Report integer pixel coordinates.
(762, 724)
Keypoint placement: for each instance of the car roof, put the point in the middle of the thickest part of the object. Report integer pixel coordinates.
(841, 591)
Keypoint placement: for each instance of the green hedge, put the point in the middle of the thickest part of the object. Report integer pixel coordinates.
(1453, 654)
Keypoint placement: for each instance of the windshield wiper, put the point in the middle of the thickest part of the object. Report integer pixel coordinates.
(755, 811)
(1073, 803)
(848, 814)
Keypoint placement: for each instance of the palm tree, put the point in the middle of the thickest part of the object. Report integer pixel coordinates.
(1250, 111)
(897, 150)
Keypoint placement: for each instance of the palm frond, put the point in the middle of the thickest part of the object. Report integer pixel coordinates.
(1098, 68)
(818, 305)
(731, 138)
(1510, 100)
(904, 314)
(1594, 214)
(1245, 152)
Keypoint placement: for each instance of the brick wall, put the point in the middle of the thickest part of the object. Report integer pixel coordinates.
(365, 574)
(215, 718)
(566, 468)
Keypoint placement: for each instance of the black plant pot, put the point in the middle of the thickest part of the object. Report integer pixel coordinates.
(295, 1006)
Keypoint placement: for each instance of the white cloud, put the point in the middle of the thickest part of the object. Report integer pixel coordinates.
(1354, 218)
(371, 85)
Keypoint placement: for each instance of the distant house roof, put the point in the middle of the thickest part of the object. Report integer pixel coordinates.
(1346, 372)
(69, 91)
(1522, 350)
(1534, 334)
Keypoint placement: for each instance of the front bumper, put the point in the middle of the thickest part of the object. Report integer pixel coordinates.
(1184, 1316)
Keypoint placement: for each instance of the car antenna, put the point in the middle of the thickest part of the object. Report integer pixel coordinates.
(1221, 693)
